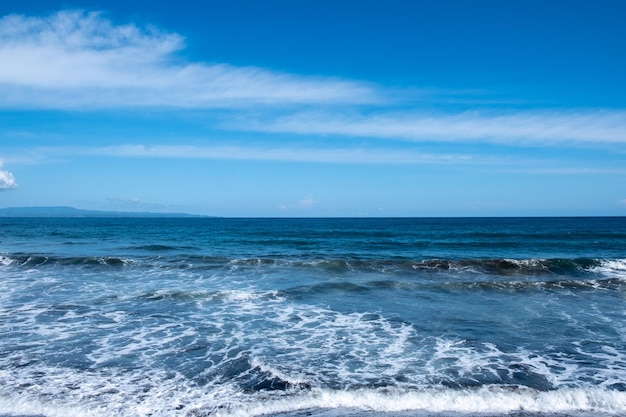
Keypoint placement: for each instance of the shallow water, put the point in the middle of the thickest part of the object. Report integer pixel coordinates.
(324, 317)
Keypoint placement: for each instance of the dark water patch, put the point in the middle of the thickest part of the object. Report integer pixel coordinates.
(260, 380)
(516, 375)
(573, 284)
(178, 295)
(89, 261)
(235, 365)
(162, 248)
(607, 284)
(28, 260)
(510, 266)
(39, 260)
(324, 288)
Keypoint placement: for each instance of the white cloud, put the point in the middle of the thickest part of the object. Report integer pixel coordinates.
(7, 180)
(307, 201)
(521, 127)
(125, 201)
(73, 58)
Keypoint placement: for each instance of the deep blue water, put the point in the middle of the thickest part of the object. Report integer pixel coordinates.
(320, 317)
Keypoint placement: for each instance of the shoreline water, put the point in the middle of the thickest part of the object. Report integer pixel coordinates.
(391, 318)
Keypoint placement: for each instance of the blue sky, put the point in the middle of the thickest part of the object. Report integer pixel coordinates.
(315, 108)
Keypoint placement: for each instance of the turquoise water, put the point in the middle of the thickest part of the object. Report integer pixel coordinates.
(321, 317)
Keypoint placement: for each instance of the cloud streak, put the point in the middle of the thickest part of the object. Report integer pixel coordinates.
(344, 156)
(312, 155)
(72, 59)
(513, 128)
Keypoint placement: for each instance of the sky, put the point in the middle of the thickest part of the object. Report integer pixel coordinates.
(285, 108)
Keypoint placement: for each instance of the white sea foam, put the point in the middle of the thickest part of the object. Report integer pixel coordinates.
(301, 344)
(33, 407)
(538, 263)
(496, 400)
(5, 260)
(492, 400)
(614, 268)
(157, 394)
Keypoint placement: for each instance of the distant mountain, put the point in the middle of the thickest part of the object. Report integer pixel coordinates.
(74, 212)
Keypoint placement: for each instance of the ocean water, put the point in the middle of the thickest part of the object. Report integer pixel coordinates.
(313, 317)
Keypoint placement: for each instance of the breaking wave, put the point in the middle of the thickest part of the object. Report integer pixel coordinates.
(495, 266)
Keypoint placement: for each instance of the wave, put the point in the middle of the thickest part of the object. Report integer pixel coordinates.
(486, 401)
(232, 296)
(498, 266)
(577, 267)
(181, 262)
(503, 267)
(495, 400)
(37, 260)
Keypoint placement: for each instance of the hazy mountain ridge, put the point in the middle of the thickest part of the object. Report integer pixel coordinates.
(63, 211)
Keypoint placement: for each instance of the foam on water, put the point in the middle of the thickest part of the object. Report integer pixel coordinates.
(489, 401)
(612, 267)
(110, 398)
(139, 327)
(257, 353)
(5, 260)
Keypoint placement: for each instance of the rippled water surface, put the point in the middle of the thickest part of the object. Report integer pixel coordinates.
(322, 317)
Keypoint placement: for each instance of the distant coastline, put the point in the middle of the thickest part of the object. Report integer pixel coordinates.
(72, 212)
(63, 211)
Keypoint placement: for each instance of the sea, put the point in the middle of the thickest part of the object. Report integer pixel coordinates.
(374, 317)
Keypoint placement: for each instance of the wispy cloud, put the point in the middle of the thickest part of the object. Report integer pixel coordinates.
(134, 203)
(557, 170)
(7, 180)
(304, 203)
(515, 128)
(496, 164)
(307, 201)
(125, 201)
(75, 59)
(295, 154)
(507, 164)
(72, 59)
